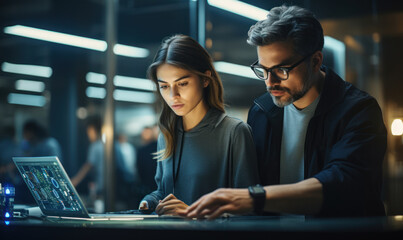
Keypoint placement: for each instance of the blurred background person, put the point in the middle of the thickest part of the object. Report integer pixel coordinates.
(146, 164)
(37, 142)
(94, 165)
(127, 174)
(8, 149)
(129, 154)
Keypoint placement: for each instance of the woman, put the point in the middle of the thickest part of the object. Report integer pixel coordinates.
(200, 149)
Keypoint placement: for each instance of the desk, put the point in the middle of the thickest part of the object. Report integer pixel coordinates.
(224, 228)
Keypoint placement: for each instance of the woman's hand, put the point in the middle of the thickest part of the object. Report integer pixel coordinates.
(170, 206)
(143, 205)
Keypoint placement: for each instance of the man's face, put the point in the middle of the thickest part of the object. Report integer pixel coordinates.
(92, 134)
(288, 91)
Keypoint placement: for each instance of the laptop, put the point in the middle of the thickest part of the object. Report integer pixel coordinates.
(55, 194)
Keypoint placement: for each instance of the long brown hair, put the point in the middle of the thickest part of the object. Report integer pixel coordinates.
(184, 52)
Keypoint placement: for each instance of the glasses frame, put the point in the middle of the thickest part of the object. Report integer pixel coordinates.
(269, 70)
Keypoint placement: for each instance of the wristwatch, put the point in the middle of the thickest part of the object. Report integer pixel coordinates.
(258, 195)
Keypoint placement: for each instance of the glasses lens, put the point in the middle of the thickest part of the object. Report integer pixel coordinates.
(260, 72)
(280, 73)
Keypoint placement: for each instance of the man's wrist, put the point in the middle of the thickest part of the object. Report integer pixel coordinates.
(258, 194)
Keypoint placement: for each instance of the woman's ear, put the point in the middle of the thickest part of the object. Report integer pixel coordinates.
(206, 81)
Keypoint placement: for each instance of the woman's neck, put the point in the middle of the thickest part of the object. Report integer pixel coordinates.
(195, 116)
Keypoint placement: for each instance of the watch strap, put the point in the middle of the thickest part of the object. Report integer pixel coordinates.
(258, 195)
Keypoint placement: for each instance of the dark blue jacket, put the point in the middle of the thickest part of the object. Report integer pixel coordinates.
(344, 147)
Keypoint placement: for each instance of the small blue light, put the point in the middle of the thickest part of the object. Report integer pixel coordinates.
(7, 191)
(7, 222)
(7, 215)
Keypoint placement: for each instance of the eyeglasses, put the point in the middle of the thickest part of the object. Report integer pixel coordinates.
(281, 73)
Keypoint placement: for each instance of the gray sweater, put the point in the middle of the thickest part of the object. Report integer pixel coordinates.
(217, 153)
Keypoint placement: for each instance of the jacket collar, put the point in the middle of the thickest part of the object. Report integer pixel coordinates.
(333, 91)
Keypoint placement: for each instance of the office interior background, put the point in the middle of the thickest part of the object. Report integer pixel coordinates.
(61, 81)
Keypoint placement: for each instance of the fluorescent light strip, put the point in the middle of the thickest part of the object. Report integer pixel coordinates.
(240, 8)
(96, 78)
(129, 51)
(95, 92)
(29, 85)
(26, 99)
(26, 69)
(76, 41)
(234, 69)
(133, 96)
(62, 38)
(136, 83)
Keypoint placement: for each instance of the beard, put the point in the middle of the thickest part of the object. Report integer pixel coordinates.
(308, 83)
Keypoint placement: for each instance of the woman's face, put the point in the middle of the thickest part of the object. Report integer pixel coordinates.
(181, 90)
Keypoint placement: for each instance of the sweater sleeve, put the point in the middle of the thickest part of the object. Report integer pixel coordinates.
(243, 154)
(154, 197)
(352, 175)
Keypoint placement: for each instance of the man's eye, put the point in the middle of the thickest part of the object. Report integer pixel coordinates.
(281, 71)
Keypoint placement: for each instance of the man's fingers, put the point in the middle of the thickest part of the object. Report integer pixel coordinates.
(213, 202)
(163, 207)
(172, 208)
(166, 199)
(169, 197)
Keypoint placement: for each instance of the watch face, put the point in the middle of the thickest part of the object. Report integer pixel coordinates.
(258, 190)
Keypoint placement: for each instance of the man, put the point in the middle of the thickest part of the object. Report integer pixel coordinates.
(37, 141)
(95, 159)
(320, 141)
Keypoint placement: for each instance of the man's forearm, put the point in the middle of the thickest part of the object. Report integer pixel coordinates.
(304, 197)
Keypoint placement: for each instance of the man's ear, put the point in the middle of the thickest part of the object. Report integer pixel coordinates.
(317, 59)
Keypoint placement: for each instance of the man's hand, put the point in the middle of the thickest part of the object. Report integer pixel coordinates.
(224, 200)
(170, 206)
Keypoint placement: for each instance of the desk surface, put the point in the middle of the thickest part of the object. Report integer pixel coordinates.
(246, 227)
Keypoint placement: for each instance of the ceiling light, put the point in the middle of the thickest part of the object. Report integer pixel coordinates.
(234, 69)
(56, 37)
(96, 78)
(29, 85)
(26, 99)
(33, 70)
(133, 96)
(129, 51)
(136, 83)
(95, 92)
(240, 8)
(76, 41)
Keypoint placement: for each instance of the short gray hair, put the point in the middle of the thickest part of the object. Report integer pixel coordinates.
(289, 23)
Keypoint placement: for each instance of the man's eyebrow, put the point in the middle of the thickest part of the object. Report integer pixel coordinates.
(186, 76)
(285, 62)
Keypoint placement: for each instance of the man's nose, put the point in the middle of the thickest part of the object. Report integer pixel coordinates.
(271, 80)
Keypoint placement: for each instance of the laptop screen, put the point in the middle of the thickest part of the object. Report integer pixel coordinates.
(50, 186)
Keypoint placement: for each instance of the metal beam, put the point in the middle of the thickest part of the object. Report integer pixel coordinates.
(109, 117)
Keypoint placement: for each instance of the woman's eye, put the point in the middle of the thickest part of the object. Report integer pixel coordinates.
(182, 84)
(163, 87)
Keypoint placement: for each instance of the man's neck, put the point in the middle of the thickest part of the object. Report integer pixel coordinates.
(312, 93)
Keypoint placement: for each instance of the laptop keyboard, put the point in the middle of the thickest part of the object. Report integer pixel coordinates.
(134, 211)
